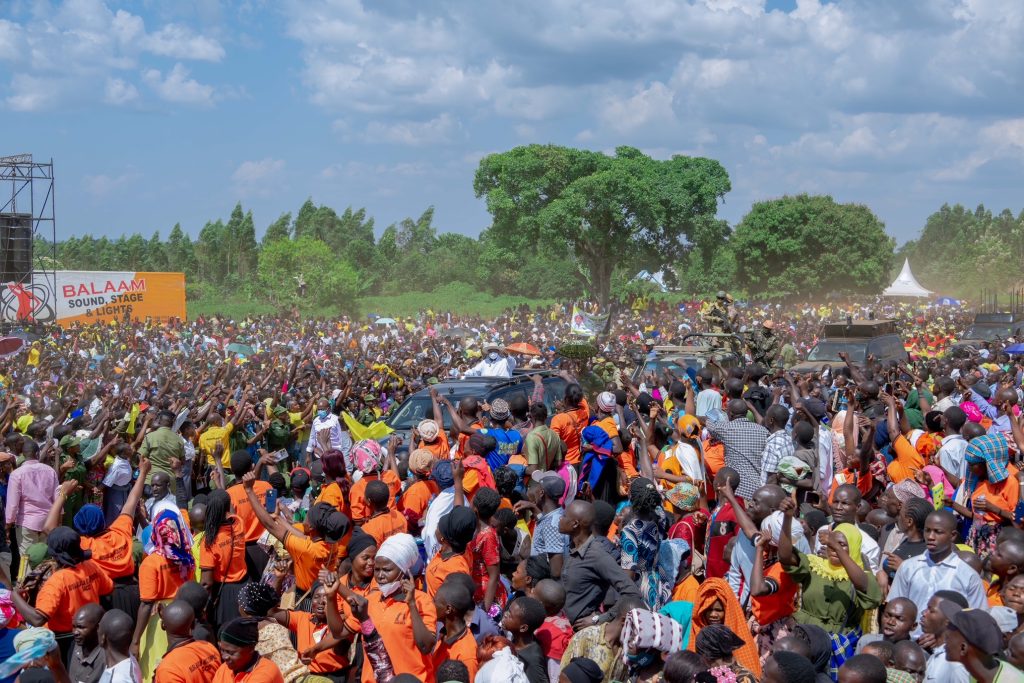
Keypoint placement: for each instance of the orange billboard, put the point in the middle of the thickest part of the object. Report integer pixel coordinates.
(79, 296)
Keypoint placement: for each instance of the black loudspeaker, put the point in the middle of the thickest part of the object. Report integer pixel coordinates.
(15, 247)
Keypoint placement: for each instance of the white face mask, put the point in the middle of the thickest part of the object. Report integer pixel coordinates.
(388, 589)
(493, 355)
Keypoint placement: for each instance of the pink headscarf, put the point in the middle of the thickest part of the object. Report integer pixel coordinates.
(972, 411)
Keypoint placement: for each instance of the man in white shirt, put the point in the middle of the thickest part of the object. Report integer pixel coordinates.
(495, 363)
(116, 630)
(326, 434)
(933, 624)
(954, 446)
(939, 568)
(844, 511)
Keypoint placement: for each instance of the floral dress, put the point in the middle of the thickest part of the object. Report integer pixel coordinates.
(485, 549)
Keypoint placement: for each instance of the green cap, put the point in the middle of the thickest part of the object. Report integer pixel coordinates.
(36, 553)
(69, 441)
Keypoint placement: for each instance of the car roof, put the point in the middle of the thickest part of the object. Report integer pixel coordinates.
(858, 329)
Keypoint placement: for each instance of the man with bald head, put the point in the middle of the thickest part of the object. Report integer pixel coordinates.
(744, 442)
(187, 660)
(86, 663)
(1000, 410)
(589, 571)
(116, 631)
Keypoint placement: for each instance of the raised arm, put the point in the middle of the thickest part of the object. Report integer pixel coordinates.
(277, 527)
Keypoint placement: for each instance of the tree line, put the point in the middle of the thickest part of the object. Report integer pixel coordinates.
(569, 223)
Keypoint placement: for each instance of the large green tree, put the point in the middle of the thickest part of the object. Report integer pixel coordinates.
(597, 211)
(330, 281)
(805, 243)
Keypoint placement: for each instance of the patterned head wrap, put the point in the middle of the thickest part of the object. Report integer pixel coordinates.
(994, 451)
(257, 599)
(646, 630)
(368, 456)
(684, 496)
(172, 540)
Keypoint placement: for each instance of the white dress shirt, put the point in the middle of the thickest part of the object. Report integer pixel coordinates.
(918, 579)
(951, 455)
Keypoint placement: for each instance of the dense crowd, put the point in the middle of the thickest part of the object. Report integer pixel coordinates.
(221, 500)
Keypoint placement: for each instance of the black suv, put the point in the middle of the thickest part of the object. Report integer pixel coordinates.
(418, 406)
(858, 339)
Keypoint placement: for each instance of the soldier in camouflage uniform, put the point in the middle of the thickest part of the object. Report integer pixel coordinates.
(765, 345)
(367, 416)
(721, 319)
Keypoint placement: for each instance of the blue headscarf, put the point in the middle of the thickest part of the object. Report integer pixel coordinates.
(89, 521)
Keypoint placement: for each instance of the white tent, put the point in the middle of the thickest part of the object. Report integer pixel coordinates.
(906, 284)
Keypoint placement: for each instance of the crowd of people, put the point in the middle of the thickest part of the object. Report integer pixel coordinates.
(220, 500)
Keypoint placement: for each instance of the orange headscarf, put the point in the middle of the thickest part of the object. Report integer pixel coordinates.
(718, 589)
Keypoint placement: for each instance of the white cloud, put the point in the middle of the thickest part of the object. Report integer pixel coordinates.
(102, 185)
(250, 172)
(438, 130)
(258, 177)
(118, 91)
(178, 88)
(646, 107)
(177, 41)
(78, 51)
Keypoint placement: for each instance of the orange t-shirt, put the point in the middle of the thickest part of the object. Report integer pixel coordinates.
(331, 494)
(195, 662)
(68, 589)
(686, 590)
(568, 430)
(243, 511)
(306, 636)
(864, 482)
(357, 497)
(309, 557)
(159, 578)
(462, 650)
(460, 452)
(391, 617)
(627, 458)
(351, 623)
(265, 671)
(1005, 494)
(417, 497)
(112, 549)
(385, 525)
(440, 446)
(906, 461)
(768, 609)
(439, 568)
(226, 557)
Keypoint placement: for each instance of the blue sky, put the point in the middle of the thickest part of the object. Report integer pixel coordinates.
(160, 112)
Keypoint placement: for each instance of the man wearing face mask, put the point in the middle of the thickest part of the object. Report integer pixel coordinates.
(495, 363)
(327, 434)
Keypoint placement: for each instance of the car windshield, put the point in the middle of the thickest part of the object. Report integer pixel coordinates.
(830, 349)
(986, 333)
(416, 409)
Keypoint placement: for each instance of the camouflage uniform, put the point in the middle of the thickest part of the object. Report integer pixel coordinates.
(765, 347)
(721, 320)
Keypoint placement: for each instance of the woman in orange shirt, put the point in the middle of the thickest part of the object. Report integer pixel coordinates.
(336, 484)
(992, 485)
(222, 557)
(416, 499)
(316, 549)
(454, 532)
(111, 547)
(371, 460)
(161, 574)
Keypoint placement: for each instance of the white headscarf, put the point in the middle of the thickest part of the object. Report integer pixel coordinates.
(400, 549)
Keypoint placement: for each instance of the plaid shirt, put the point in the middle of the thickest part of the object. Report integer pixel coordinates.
(780, 444)
(744, 442)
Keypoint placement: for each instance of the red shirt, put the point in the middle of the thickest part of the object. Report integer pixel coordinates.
(722, 527)
(485, 553)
